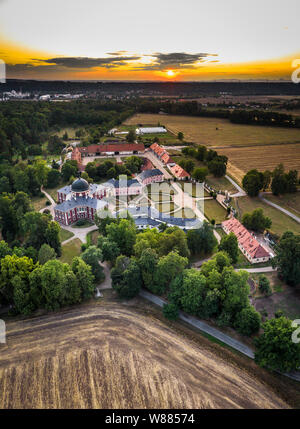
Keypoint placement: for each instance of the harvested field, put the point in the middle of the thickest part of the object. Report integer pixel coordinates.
(262, 158)
(110, 355)
(218, 132)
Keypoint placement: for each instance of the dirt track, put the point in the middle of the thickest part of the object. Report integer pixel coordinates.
(110, 356)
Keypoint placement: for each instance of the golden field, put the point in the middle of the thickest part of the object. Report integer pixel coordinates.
(203, 130)
(262, 158)
(114, 355)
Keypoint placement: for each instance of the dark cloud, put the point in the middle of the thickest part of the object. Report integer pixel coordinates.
(175, 60)
(160, 62)
(86, 62)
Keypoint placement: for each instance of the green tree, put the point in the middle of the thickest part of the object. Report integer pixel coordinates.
(52, 236)
(46, 253)
(201, 240)
(287, 259)
(264, 285)
(110, 250)
(180, 136)
(85, 277)
(253, 182)
(169, 267)
(124, 234)
(256, 220)
(170, 311)
(194, 292)
(12, 266)
(229, 244)
(275, 348)
(69, 169)
(131, 136)
(247, 321)
(92, 256)
(148, 264)
(126, 277)
(200, 173)
(53, 178)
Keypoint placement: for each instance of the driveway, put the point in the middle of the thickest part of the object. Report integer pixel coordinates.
(276, 206)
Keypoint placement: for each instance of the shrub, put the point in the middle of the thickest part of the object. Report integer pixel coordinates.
(170, 311)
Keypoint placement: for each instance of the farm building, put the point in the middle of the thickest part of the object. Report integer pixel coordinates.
(179, 172)
(151, 176)
(150, 130)
(112, 149)
(249, 246)
(162, 154)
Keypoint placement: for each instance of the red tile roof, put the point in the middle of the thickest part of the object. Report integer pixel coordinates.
(179, 172)
(121, 147)
(245, 239)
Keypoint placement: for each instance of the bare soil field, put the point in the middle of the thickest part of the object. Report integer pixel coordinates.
(108, 354)
(218, 132)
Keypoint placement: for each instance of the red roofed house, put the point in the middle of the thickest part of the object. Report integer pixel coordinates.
(112, 149)
(179, 172)
(248, 244)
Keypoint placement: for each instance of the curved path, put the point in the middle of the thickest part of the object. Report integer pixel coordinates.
(241, 192)
(276, 206)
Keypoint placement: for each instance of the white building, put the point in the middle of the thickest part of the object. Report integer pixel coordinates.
(150, 130)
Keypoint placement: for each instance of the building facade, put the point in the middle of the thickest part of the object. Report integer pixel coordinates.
(248, 245)
(112, 149)
(151, 176)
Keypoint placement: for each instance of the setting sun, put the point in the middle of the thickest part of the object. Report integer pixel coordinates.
(170, 73)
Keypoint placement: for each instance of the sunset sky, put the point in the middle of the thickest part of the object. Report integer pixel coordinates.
(149, 39)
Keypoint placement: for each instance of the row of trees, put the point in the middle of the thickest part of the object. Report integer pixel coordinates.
(26, 126)
(280, 182)
(110, 170)
(215, 164)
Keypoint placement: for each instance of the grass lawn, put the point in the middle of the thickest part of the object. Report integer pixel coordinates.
(280, 222)
(193, 189)
(71, 132)
(220, 184)
(165, 207)
(53, 191)
(284, 297)
(92, 237)
(213, 210)
(70, 250)
(64, 234)
(39, 203)
(289, 202)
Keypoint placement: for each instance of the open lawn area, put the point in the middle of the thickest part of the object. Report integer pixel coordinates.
(290, 202)
(284, 297)
(218, 132)
(39, 203)
(65, 235)
(70, 250)
(220, 184)
(213, 210)
(164, 138)
(280, 222)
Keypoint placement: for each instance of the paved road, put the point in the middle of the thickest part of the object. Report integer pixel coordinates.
(240, 193)
(276, 206)
(204, 327)
(257, 270)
